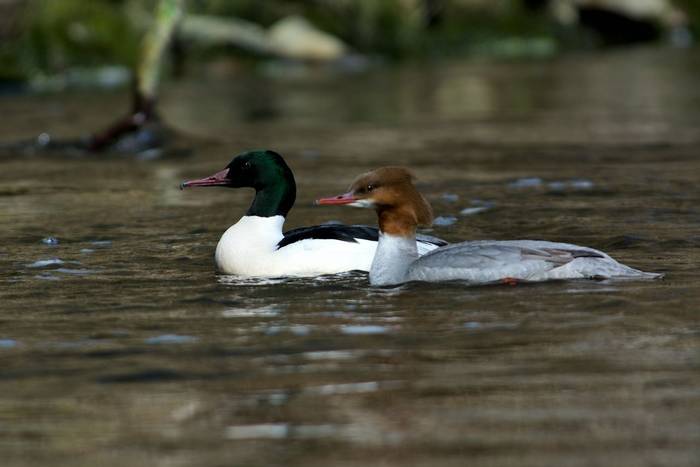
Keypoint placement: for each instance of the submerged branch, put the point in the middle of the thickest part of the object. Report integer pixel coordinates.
(142, 129)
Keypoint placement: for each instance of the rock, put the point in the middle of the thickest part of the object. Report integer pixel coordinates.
(294, 37)
(656, 10)
(444, 221)
(624, 21)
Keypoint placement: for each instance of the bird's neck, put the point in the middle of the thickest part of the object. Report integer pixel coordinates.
(397, 221)
(394, 255)
(273, 200)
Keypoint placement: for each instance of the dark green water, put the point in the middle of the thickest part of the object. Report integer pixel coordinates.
(120, 345)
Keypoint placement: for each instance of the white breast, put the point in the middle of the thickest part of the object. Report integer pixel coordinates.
(243, 246)
(394, 255)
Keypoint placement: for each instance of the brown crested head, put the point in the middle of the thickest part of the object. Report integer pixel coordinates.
(399, 205)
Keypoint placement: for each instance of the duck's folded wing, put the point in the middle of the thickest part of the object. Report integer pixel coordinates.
(430, 240)
(342, 232)
(558, 256)
(482, 262)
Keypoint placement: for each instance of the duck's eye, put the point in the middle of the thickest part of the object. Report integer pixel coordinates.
(246, 165)
(369, 188)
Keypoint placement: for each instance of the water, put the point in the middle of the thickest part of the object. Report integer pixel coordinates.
(120, 345)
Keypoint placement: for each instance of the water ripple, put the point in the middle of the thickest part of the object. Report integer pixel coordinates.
(8, 343)
(171, 339)
(356, 329)
(42, 263)
(261, 312)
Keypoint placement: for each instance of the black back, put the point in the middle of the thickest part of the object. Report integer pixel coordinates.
(344, 233)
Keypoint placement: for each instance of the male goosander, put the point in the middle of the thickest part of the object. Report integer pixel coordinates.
(256, 247)
(401, 208)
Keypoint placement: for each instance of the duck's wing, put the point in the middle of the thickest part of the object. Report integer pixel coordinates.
(341, 232)
(483, 262)
(348, 233)
(430, 240)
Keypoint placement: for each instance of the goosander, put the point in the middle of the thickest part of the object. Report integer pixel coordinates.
(255, 246)
(401, 208)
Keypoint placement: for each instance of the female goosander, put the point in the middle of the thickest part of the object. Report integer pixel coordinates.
(401, 208)
(256, 247)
